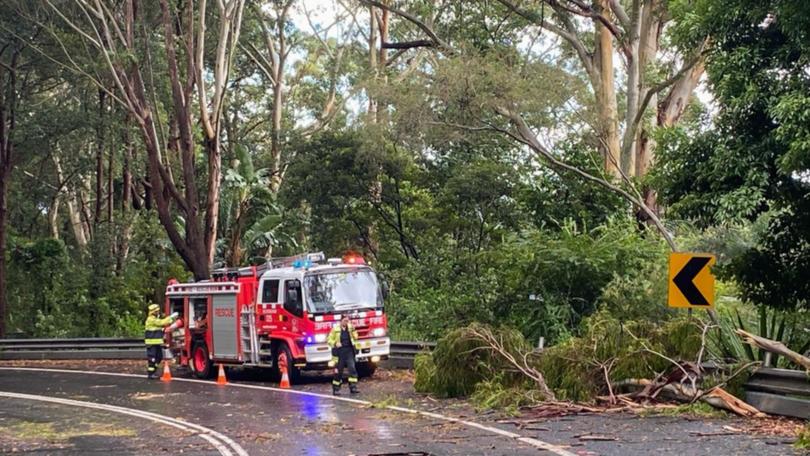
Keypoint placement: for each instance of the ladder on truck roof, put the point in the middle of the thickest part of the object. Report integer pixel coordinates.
(272, 263)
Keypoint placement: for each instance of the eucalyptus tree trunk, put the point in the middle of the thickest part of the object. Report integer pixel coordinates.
(8, 123)
(605, 91)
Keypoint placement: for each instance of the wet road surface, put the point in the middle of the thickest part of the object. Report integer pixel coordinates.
(34, 427)
(262, 422)
(280, 423)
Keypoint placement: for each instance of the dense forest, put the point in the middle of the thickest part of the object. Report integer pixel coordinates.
(516, 163)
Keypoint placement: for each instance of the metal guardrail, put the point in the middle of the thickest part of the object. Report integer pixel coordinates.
(60, 349)
(779, 392)
(402, 353)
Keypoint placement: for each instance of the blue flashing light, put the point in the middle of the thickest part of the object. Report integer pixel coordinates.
(297, 264)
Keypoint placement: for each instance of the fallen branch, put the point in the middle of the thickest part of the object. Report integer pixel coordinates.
(596, 438)
(712, 434)
(720, 398)
(774, 347)
(685, 393)
(496, 344)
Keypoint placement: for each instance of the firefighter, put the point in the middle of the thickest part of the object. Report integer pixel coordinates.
(343, 341)
(153, 337)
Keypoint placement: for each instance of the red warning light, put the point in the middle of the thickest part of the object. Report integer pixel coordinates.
(353, 258)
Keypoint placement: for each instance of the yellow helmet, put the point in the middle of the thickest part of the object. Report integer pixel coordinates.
(153, 308)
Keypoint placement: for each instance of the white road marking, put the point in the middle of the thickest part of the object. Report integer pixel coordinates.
(213, 437)
(491, 429)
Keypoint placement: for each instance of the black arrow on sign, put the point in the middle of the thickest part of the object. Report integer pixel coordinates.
(683, 280)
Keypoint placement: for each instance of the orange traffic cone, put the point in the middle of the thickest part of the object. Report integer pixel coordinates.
(167, 373)
(221, 380)
(285, 379)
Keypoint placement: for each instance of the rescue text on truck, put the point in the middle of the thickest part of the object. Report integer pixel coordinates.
(256, 315)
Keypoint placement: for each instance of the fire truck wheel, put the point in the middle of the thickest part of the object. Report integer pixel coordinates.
(366, 370)
(200, 363)
(293, 372)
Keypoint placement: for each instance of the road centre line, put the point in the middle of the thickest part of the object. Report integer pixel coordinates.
(219, 441)
(527, 440)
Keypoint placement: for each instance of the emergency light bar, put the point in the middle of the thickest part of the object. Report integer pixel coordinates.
(353, 258)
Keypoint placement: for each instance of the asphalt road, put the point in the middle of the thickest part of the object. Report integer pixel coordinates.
(259, 421)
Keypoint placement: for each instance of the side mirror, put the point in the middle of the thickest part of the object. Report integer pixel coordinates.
(385, 289)
(292, 296)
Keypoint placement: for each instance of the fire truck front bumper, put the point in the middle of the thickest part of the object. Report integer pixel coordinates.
(367, 350)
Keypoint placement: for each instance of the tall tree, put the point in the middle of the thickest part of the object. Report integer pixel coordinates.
(198, 76)
(23, 77)
(574, 23)
(322, 51)
(10, 50)
(597, 33)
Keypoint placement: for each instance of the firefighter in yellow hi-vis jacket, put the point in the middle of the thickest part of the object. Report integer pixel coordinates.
(343, 340)
(153, 337)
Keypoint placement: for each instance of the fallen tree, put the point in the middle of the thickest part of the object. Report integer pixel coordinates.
(774, 347)
(497, 368)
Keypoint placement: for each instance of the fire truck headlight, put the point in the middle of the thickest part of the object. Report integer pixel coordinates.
(378, 332)
(320, 338)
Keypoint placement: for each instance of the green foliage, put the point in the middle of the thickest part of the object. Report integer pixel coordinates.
(639, 293)
(554, 199)
(803, 439)
(774, 272)
(752, 158)
(694, 410)
(542, 282)
(461, 361)
(55, 293)
(782, 326)
(574, 369)
(495, 393)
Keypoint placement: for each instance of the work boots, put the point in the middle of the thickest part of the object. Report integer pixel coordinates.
(335, 390)
(353, 388)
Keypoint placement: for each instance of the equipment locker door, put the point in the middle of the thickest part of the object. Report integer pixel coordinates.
(224, 325)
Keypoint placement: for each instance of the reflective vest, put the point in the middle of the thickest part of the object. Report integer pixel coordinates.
(334, 335)
(153, 329)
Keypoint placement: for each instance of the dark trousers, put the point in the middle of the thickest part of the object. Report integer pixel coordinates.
(345, 360)
(154, 356)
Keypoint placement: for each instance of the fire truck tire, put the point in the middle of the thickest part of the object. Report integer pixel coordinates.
(293, 372)
(200, 362)
(366, 370)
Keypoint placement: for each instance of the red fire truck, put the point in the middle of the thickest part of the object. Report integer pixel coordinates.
(257, 315)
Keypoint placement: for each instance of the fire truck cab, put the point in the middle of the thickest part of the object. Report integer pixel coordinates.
(255, 316)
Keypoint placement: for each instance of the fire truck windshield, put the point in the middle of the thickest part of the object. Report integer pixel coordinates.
(340, 291)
